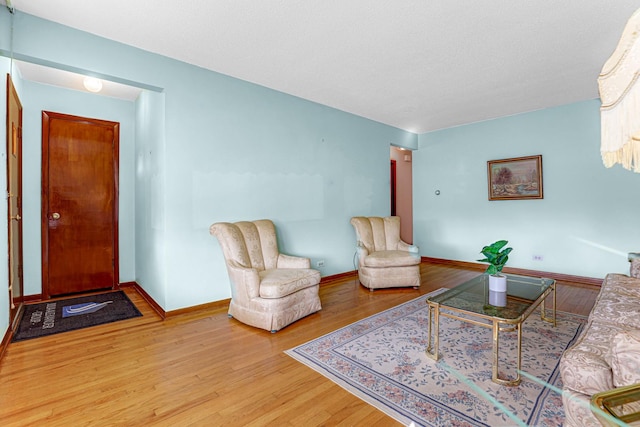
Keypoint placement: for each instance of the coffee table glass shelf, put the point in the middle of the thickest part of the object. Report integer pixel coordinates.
(617, 407)
(472, 302)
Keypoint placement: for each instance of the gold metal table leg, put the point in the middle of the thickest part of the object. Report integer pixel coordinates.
(517, 380)
(554, 304)
(543, 311)
(432, 351)
(496, 352)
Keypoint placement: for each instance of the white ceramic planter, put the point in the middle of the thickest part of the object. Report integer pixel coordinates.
(498, 299)
(498, 283)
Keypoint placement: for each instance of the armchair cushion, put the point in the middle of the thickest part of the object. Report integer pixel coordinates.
(390, 259)
(280, 282)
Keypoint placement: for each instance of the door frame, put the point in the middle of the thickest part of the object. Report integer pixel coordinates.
(403, 190)
(393, 178)
(46, 117)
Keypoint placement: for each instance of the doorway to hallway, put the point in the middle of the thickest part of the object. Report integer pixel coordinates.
(401, 178)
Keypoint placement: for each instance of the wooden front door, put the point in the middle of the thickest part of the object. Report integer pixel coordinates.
(14, 193)
(79, 204)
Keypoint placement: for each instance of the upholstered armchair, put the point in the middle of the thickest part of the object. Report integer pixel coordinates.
(269, 290)
(384, 260)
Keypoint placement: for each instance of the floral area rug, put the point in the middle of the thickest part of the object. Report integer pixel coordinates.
(381, 359)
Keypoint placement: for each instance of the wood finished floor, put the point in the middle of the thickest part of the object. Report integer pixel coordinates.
(201, 368)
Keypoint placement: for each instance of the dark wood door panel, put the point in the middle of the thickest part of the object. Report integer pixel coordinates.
(79, 203)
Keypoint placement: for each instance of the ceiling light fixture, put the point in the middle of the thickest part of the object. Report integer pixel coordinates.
(92, 84)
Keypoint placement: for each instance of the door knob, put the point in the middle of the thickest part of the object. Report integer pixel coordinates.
(17, 217)
(55, 215)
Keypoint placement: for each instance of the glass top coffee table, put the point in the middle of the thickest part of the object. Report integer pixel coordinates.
(472, 302)
(618, 406)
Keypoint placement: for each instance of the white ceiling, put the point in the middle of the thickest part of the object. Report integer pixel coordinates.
(415, 64)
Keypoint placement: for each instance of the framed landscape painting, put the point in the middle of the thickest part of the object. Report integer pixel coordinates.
(515, 179)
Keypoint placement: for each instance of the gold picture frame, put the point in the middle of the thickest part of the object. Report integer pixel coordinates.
(515, 179)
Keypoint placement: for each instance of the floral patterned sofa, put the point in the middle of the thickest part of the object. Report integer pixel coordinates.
(606, 355)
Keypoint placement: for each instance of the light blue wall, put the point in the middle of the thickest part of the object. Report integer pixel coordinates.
(36, 98)
(150, 198)
(586, 223)
(227, 150)
(237, 151)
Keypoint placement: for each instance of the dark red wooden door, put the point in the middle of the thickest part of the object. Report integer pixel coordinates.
(79, 204)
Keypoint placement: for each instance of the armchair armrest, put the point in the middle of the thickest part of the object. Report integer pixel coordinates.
(245, 281)
(412, 249)
(289, 261)
(362, 252)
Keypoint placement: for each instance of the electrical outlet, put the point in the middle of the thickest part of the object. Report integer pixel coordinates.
(537, 258)
(320, 263)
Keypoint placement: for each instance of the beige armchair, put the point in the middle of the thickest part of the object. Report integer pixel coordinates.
(269, 290)
(384, 260)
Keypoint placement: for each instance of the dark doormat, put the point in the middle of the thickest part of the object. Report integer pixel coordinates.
(53, 317)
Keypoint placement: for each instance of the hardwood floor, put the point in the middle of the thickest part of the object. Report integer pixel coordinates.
(201, 368)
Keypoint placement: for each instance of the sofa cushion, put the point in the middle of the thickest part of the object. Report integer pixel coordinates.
(635, 268)
(583, 366)
(280, 282)
(617, 301)
(616, 308)
(624, 358)
(391, 259)
(622, 284)
(577, 411)
(607, 354)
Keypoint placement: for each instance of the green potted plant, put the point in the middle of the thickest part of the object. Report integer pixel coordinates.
(496, 255)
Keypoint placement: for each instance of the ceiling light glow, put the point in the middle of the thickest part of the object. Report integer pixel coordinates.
(92, 84)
